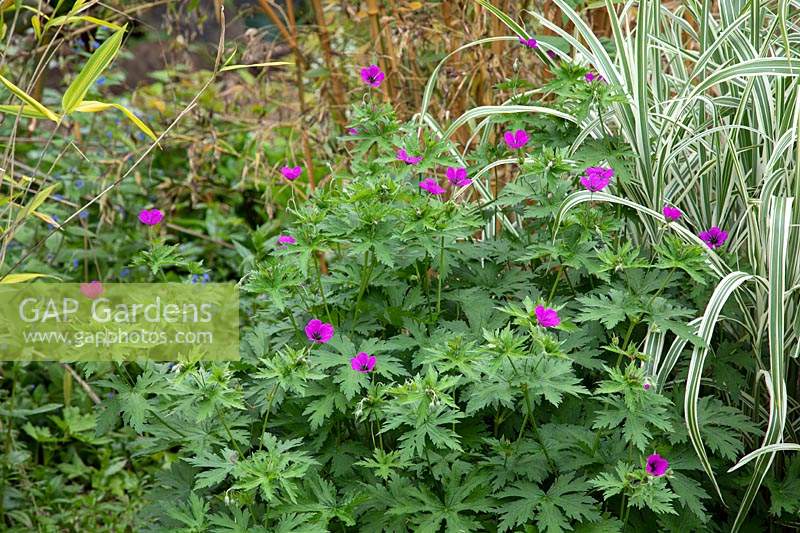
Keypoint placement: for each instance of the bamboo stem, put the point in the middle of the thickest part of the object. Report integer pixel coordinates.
(374, 28)
(289, 32)
(339, 100)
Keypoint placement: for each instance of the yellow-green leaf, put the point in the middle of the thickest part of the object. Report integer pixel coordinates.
(38, 200)
(37, 27)
(19, 278)
(69, 19)
(28, 99)
(270, 64)
(92, 106)
(25, 110)
(92, 70)
(46, 218)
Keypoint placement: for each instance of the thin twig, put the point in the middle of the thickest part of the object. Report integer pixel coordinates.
(86, 387)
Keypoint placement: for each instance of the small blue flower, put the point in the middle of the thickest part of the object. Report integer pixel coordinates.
(83, 215)
(58, 197)
(125, 272)
(101, 81)
(195, 277)
(79, 183)
(75, 263)
(140, 135)
(94, 45)
(109, 134)
(206, 277)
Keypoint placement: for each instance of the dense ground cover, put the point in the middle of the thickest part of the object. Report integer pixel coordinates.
(560, 300)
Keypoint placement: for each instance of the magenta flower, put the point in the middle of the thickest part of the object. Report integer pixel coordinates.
(150, 217)
(363, 362)
(547, 316)
(530, 43)
(551, 54)
(458, 176)
(318, 331)
(286, 239)
(656, 465)
(714, 237)
(291, 173)
(597, 178)
(403, 156)
(516, 140)
(353, 131)
(671, 213)
(591, 77)
(646, 386)
(372, 75)
(431, 185)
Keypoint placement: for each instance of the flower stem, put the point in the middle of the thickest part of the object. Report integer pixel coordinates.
(322, 290)
(228, 431)
(365, 275)
(266, 415)
(534, 427)
(555, 285)
(441, 269)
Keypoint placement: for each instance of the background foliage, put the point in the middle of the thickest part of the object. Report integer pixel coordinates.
(475, 417)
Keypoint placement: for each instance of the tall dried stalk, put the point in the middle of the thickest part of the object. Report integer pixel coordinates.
(289, 33)
(373, 11)
(338, 96)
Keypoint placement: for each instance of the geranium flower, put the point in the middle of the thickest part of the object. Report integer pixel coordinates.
(656, 465)
(530, 43)
(363, 362)
(547, 316)
(671, 213)
(150, 217)
(458, 176)
(597, 178)
(318, 331)
(372, 75)
(592, 77)
(353, 131)
(551, 54)
(431, 185)
(714, 237)
(291, 173)
(403, 156)
(516, 140)
(286, 239)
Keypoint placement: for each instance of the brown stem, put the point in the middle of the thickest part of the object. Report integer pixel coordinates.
(289, 32)
(337, 90)
(375, 32)
(86, 387)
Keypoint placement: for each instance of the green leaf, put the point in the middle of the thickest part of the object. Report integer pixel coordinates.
(91, 106)
(94, 67)
(566, 500)
(219, 467)
(29, 100)
(690, 494)
(34, 204)
(25, 110)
